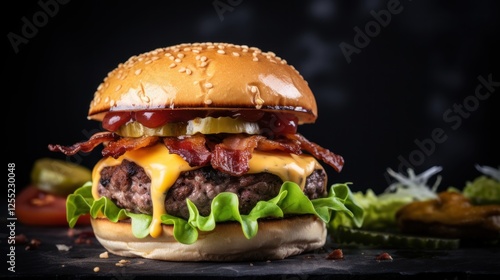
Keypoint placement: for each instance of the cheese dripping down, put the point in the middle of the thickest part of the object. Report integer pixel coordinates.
(164, 168)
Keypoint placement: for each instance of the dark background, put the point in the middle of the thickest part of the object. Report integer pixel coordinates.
(403, 83)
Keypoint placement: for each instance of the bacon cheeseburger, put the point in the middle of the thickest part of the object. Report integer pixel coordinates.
(202, 160)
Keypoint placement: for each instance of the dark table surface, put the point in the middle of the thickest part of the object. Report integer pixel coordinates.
(358, 263)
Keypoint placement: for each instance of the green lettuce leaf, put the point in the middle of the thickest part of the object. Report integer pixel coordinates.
(81, 202)
(290, 200)
(483, 190)
(379, 210)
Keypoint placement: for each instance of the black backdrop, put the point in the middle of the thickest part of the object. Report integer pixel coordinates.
(398, 83)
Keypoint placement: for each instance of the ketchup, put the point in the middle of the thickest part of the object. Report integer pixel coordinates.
(113, 120)
(270, 123)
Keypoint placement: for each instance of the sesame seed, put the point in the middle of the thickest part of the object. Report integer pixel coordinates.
(188, 71)
(253, 89)
(144, 98)
(195, 51)
(208, 101)
(221, 52)
(255, 59)
(180, 55)
(96, 269)
(236, 54)
(172, 65)
(203, 58)
(118, 87)
(187, 49)
(138, 71)
(203, 64)
(209, 85)
(197, 57)
(182, 69)
(178, 60)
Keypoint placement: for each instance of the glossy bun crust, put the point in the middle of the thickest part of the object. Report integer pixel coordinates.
(205, 76)
(276, 239)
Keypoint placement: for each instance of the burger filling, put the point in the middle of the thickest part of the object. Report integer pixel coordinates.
(194, 171)
(128, 186)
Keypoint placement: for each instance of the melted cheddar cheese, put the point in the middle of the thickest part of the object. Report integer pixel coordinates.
(164, 168)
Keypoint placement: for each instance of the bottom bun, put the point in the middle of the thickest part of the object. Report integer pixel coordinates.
(276, 239)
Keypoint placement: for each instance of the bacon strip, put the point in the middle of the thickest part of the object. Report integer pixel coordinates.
(231, 154)
(335, 161)
(117, 148)
(87, 146)
(192, 149)
(284, 145)
(234, 153)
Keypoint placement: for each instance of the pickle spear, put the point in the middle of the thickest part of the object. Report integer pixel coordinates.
(58, 177)
(345, 235)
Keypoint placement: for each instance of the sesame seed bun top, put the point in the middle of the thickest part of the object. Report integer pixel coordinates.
(205, 76)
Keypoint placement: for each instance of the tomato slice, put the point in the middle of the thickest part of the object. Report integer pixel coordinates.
(38, 208)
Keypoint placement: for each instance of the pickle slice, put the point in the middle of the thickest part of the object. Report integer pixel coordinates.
(207, 125)
(58, 177)
(210, 125)
(345, 235)
(136, 129)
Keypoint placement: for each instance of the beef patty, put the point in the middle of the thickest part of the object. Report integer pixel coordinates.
(128, 186)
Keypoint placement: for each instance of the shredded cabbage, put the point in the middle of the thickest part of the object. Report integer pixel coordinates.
(490, 171)
(414, 186)
(380, 210)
